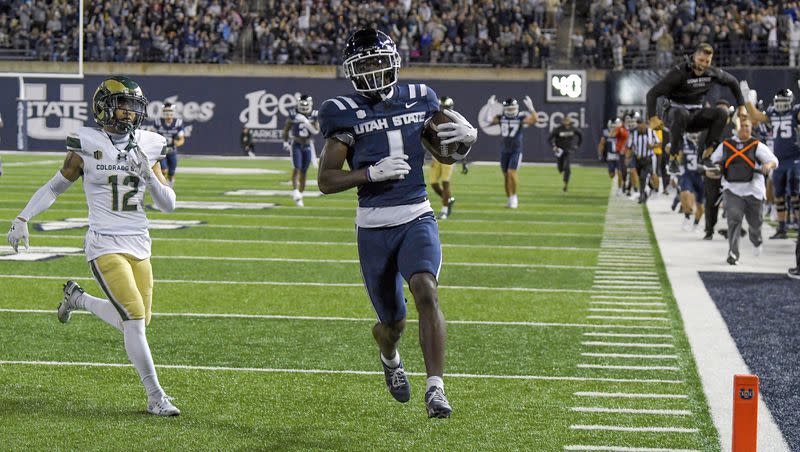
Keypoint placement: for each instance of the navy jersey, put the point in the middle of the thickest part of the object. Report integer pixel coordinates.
(380, 128)
(784, 132)
(611, 142)
(169, 131)
(690, 155)
(299, 129)
(511, 131)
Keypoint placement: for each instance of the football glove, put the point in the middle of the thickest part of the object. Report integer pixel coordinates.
(18, 234)
(287, 146)
(460, 130)
(528, 103)
(391, 167)
(492, 100)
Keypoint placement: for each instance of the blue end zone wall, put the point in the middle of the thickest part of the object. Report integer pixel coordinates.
(762, 312)
(215, 108)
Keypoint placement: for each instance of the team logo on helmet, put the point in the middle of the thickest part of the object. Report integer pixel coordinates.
(305, 104)
(783, 100)
(510, 108)
(119, 93)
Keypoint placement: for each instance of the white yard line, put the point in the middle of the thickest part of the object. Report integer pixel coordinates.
(622, 428)
(337, 319)
(628, 356)
(714, 350)
(630, 395)
(619, 317)
(341, 372)
(624, 449)
(626, 344)
(616, 367)
(664, 336)
(624, 303)
(643, 311)
(584, 409)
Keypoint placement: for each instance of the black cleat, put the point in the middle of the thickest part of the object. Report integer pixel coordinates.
(794, 273)
(780, 235)
(732, 259)
(675, 202)
(396, 382)
(437, 403)
(709, 235)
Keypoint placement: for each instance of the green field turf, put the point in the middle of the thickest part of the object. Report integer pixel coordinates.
(262, 332)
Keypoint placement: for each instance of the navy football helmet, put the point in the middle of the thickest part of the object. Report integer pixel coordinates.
(783, 100)
(371, 61)
(305, 104)
(510, 108)
(446, 103)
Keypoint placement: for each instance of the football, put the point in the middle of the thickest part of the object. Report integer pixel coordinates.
(444, 153)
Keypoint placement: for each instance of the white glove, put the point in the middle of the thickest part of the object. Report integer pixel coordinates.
(493, 100)
(460, 130)
(18, 234)
(301, 118)
(140, 165)
(753, 97)
(287, 146)
(387, 168)
(528, 104)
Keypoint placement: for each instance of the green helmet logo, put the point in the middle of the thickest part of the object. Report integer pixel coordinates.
(119, 93)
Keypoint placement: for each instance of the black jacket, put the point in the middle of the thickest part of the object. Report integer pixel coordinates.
(566, 139)
(682, 86)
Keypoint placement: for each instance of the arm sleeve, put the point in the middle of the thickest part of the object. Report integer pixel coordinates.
(730, 81)
(580, 138)
(765, 155)
(716, 156)
(665, 86)
(163, 196)
(45, 196)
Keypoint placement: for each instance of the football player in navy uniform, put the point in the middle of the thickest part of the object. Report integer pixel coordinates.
(170, 128)
(606, 150)
(690, 182)
(298, 133)
(783, 118)
(377, 131)
(511, 123)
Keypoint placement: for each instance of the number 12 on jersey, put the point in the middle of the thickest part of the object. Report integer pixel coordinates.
(133, 181)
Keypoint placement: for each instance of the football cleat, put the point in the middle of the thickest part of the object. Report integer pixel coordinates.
(450, 203)
(794, 273)
(299, 202)
(757, 250)
(687, 224)
(779, 235)
(732, 259)
(397, 382)
(162, 407)
(71, 293)
(437, 403)
(709, 235)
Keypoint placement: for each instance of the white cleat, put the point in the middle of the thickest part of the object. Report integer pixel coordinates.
(72, 291)
(758, 250)
(687, 224)
(299, 202)
(162, 407)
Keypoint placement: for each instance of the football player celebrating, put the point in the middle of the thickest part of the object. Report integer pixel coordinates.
(606, 151)
(783, 118)
(170, 128)
(298, 131)
(118, 163)
(378, 132)
(511, 123)
(441, 172)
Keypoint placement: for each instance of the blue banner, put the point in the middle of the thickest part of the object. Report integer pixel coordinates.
(215, 109)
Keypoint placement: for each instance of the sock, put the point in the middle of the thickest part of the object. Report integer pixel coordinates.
(686, 215)
(139, 354)
(781, 226)
(434, 381)
(103, 309)
(394, 362)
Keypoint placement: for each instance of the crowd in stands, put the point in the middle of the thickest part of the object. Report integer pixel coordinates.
(499, 33)
(650, 33)
(619, 33)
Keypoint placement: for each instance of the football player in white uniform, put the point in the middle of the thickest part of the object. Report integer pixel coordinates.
(118, 163)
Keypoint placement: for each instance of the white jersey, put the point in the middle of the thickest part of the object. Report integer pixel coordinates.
(114, 193)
